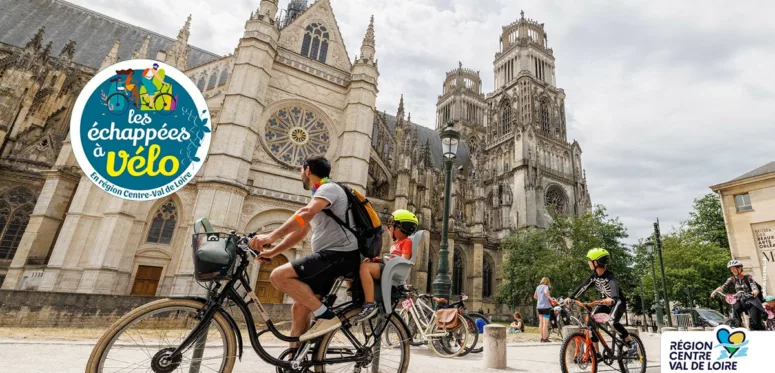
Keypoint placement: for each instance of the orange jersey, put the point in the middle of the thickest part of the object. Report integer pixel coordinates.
(402, 247)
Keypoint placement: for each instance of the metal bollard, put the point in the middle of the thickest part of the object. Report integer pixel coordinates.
(495, 346)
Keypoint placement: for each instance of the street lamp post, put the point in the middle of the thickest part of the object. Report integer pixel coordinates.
(449, 141)
(643, 304)
(658, 238)
(650, 248)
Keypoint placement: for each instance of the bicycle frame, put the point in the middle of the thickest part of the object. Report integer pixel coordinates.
(590, 328)
(425, 330)
(218, 295)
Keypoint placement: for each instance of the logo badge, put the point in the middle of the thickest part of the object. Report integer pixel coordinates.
(732, 343)
(140, 130)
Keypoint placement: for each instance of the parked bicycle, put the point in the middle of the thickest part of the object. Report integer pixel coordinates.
(561, 316)
(472, 344)
(423, 328)
(193, 334)
(579, 352)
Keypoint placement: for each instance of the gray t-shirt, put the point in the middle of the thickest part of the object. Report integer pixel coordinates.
(327, 235)
(543, 300)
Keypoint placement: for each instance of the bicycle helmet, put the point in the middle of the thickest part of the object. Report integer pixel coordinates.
(406, 221)
(599, 254)
(734, 263)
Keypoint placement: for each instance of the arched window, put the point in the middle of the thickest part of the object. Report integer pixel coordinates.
(458, 274)
(15, 208)
(544, 116)
(213, 81)
(201, 84)
(487, 278)
(224, 77)
(315, 42)
(505, 118)
(432, 253)
(163, 223)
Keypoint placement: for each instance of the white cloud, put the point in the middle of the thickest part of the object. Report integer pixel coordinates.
(666, 98)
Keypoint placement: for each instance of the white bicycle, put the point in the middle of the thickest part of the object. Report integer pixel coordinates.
(448, 337)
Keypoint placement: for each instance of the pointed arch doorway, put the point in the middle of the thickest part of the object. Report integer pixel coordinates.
(264, 289)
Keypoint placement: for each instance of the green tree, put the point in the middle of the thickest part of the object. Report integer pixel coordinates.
(706, 221)
(559, 252)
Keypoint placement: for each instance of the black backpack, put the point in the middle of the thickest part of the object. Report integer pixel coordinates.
(368, 228)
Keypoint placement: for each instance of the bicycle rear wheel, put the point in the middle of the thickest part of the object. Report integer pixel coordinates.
(471, 341)
(634, 364)
(453, 343)
(577, 356)
(393, 353)
(143, 339)
(479, 346)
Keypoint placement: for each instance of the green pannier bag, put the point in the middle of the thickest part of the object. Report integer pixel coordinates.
(214, 253)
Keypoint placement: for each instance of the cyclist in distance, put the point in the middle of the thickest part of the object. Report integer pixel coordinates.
(402, 224)
(614, 301)
(334, 251)
(749, 302)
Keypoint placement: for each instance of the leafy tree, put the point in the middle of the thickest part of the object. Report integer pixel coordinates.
(706, 221)
(559, 253)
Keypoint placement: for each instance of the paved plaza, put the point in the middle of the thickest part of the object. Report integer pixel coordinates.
(32, 356)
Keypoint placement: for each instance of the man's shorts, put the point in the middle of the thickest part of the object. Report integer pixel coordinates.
(545, 312)
(321, 269)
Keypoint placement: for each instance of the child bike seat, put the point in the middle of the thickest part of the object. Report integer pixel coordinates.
(397, 271)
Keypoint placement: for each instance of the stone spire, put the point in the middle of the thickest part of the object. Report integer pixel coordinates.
(178, 55)
(68, 51)
(367, 48)
(37, 40)
(143, 51)
(47, 50)
(400, 112)
(112, 56)
(268, 9)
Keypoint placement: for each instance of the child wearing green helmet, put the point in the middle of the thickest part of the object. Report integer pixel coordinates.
(614, 302)
(403, 223)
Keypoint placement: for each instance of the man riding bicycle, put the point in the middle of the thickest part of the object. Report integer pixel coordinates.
(334, 251)
(614, 302)
(747, 295)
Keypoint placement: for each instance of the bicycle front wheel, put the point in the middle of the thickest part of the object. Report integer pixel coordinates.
(391, 356)
(143, 339)
(577, 356)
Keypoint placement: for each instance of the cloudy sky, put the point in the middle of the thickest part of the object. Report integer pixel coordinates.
(666, 98)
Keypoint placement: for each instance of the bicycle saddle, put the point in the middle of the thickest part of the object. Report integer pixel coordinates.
(440, 300)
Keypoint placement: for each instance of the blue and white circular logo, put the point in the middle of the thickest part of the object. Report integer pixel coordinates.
(140, 130)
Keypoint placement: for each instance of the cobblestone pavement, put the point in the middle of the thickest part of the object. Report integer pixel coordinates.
(32, 356)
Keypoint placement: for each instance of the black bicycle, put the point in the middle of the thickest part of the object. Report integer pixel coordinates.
(193, 334)
(579, 352)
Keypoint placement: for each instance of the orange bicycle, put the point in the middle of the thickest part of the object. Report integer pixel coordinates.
(579, 352)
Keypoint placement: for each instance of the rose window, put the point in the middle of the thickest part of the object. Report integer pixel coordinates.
(294, 133)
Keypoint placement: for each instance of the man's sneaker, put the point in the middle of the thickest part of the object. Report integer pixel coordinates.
(324, 324)
(369, 311)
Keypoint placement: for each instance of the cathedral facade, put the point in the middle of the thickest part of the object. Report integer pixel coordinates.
(289, 90)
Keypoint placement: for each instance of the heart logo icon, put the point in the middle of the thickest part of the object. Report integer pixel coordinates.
(726, 338)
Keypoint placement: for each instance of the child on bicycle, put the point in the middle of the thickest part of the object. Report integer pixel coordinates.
(613, 302)
(403, 223)
(747, 300)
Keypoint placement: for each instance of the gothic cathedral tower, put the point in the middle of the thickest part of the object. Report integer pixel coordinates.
(532, 170)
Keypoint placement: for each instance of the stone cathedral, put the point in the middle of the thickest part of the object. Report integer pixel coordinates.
(289, 72)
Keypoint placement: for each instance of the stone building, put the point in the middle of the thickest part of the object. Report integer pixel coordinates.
(59, 232)
(748, 204)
